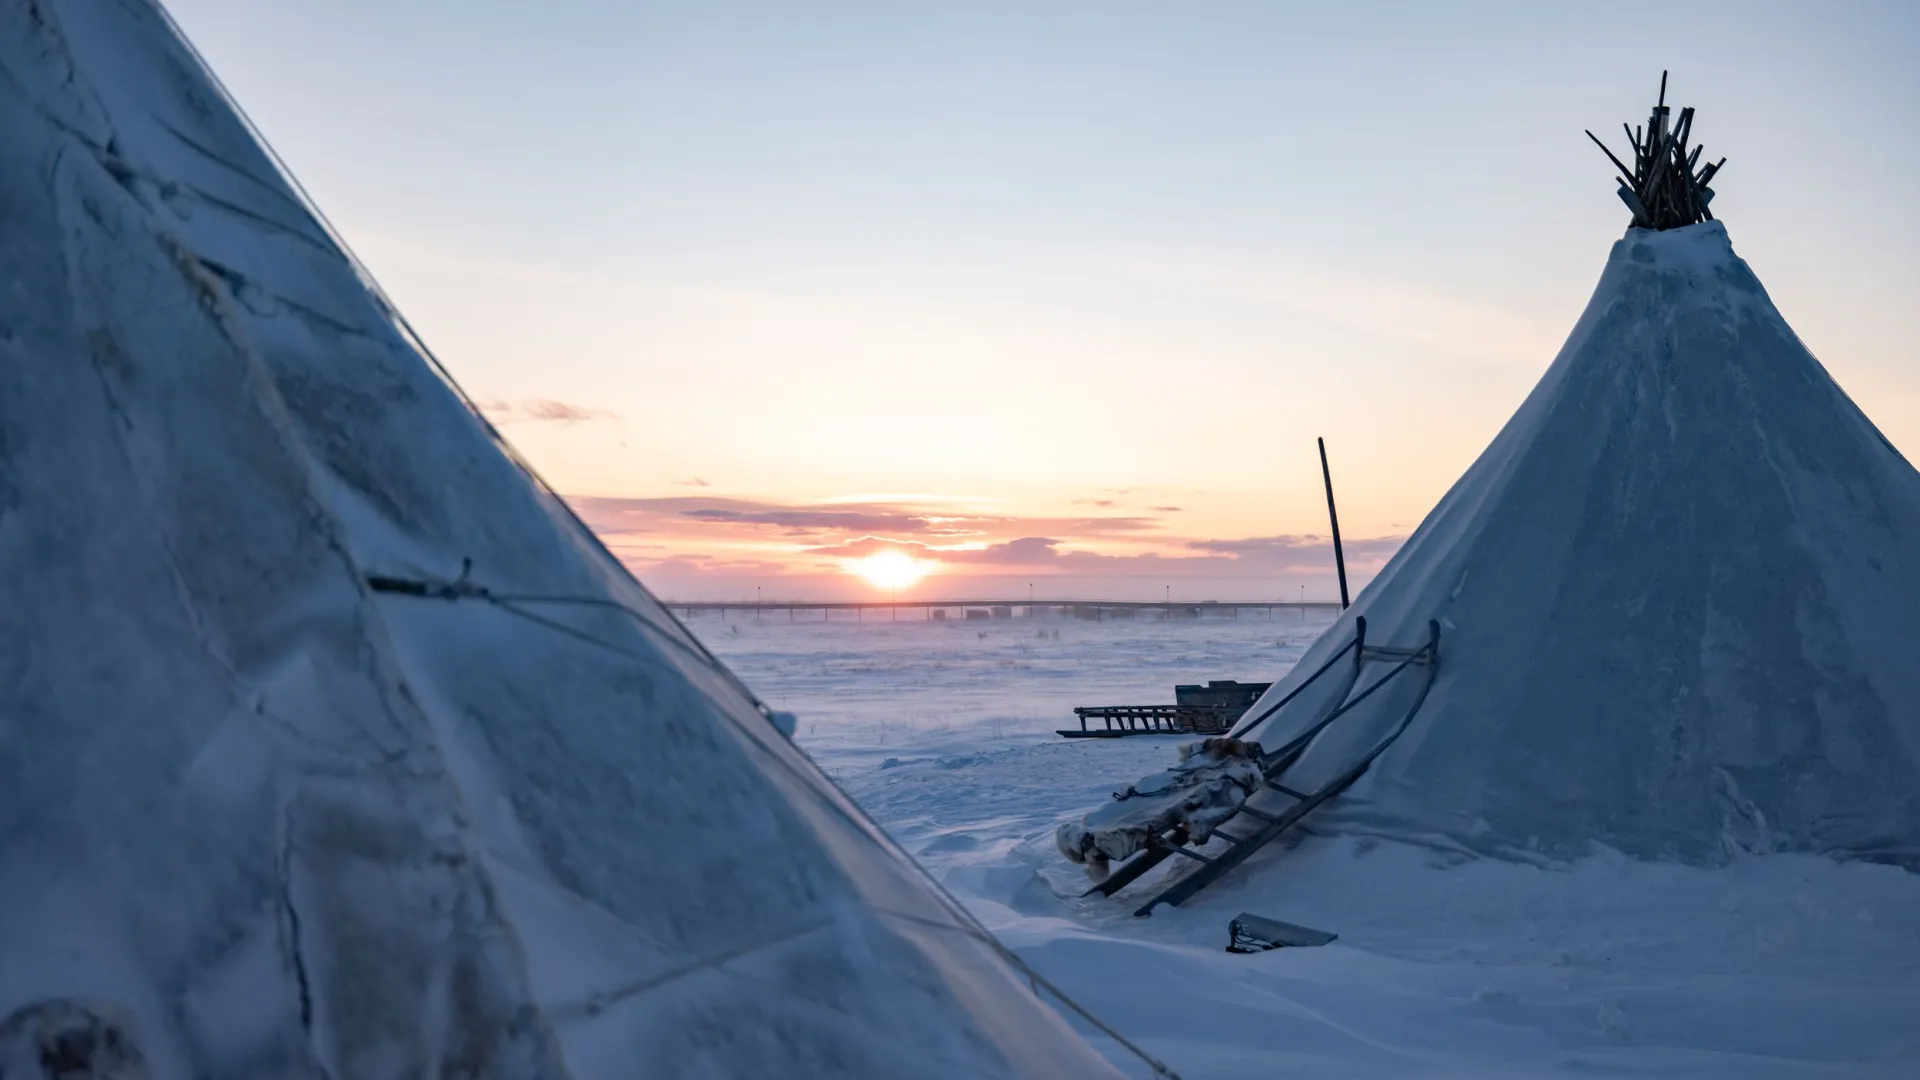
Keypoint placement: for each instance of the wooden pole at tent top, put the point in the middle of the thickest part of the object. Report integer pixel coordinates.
(1665, 187)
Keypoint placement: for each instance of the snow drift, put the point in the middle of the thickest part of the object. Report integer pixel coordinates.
(1680, 595)
(278, 825)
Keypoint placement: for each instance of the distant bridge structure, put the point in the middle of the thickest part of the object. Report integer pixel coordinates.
(937, 610)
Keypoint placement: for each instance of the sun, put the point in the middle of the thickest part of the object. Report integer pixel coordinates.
(890, 570)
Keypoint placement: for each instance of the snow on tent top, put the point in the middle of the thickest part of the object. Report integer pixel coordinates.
(284, 825)
(1678, 599)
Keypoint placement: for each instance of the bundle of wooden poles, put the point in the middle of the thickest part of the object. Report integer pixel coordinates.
(1662, 187)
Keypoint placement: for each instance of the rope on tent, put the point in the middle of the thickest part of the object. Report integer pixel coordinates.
(461, 588)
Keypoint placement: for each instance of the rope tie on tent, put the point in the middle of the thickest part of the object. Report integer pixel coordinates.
(464, 588)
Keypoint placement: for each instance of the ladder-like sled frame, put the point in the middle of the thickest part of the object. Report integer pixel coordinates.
(1275, 764)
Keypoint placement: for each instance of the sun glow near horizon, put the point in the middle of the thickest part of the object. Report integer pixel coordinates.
(889, 571)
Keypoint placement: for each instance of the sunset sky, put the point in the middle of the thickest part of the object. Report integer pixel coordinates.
(1054, 293)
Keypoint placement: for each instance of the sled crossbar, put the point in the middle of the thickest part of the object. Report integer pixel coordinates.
(1274, 766)
(1387, 652)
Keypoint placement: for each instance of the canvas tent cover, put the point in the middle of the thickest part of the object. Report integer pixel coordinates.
(292, 828)
(1680, 602)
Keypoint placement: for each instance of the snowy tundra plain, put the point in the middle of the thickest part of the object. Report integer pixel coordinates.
(1774, 966)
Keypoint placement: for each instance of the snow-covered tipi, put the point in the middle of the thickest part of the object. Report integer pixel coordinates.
(1678, 596)
(262, 820)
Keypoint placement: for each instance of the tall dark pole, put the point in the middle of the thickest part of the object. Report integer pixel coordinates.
(1339, 557)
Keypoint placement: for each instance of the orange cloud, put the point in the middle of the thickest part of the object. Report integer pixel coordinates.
(720, 546)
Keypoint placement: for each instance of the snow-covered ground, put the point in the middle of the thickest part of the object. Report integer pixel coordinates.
(1772, 967)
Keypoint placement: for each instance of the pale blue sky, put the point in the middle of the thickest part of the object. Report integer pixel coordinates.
(808, 250)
